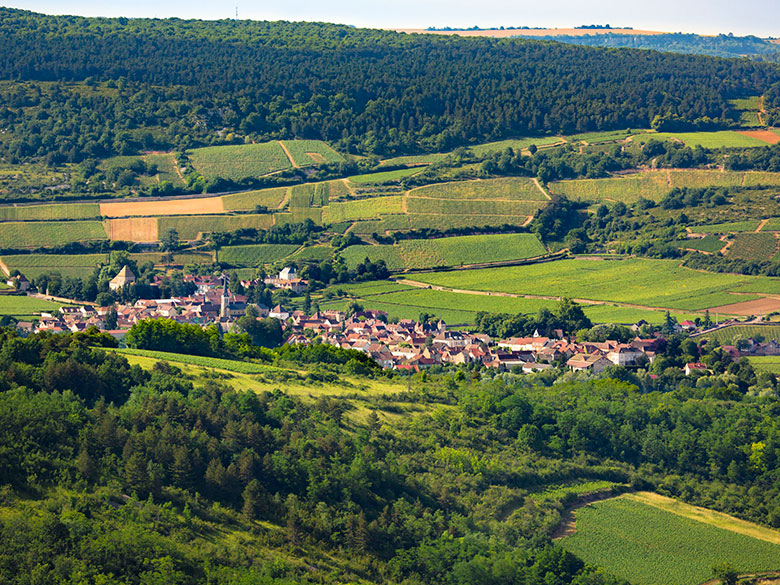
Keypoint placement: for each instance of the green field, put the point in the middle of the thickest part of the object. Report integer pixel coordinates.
(769, 364)
(362, 208)
(383, 177)
(306, 153)
(724, 228)
(248, 201)
(754, 178)
(719, 139)
(748, 109)
(239, 162)
(25, 307)
(753, 247)
(645, 282)
(74, 265)
(650, 545)
(49, 233)
(256, 254)
(182, 258)
(51, 211)
(602, 137)
(710, 244)
(195, 360)
(448, 251)
(189, 227)
(514, 211)
(728, 335)
(513, 188)
(419, 159)
(627, 188)
(515, 144)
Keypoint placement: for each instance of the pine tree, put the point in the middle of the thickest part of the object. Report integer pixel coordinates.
(252, 499)
(135, 473)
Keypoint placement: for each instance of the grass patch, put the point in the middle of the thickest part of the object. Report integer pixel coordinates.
(645, 543)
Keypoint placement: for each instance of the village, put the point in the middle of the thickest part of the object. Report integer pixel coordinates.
(405, 345)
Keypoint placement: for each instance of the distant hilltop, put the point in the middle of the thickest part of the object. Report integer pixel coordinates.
(502, 32)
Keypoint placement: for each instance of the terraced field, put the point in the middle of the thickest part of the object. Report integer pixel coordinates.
(453, 251)
(650, 540)
(180, 258)
(189, 227)
(239, 162)
(73, 265)
(256, 254)
(49, 233)
(53, 211)
(636, 281)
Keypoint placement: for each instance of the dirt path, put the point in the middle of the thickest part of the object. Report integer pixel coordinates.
(527, 221)
(4, 268)
(348, 186)
(761, 225)
(289, 156)
(725, 248)
(418, 284)
(539, 186)
(404, 206)
(286, 198)
(669, 178)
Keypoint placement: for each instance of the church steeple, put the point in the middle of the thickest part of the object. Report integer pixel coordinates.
(223, 306)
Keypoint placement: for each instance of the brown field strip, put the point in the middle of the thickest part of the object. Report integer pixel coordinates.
(765, 135)
(206, 205)
(139, 229)
(755, 307)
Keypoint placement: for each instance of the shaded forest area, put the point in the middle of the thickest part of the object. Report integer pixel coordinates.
(148, 84)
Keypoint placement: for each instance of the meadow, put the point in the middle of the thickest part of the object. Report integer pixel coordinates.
(454, 251)
(306, 153)
(710, 244)
(52, 211)
(650, 544)
(639, 281)
(255, 254)
(188, 227)
(49, 233)
(239, 162)
(249, 200)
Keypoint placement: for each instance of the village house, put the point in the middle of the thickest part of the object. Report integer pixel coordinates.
(121, 280)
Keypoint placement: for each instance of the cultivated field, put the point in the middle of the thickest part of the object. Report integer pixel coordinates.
(627, 188)
(73, 265)
(754, 247)
(727, 227)
(728, 335)
(710, 244)
(311, 152)
(51, 211)
(255, 255)
(383, 176)
(248, 201)
(241, 161)
(636, 281)
(362, 209)
(719, 139)
(49, 233)
(419, 159)
(764, 135)
(517, 144)
(189, 228)
(455, 251)
(649, 540)
(197, 206)
(136, 229)
(25, 307)
(766, 364)
(179, 258)
(513, 188)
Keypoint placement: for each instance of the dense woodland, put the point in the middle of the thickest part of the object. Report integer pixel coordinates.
(114, 474)
(153, 84)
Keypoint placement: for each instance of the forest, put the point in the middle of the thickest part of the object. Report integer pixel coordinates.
(117, 474)
(90, 88)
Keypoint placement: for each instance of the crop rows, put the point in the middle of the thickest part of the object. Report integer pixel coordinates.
(648, 545)
(726, 227)
(49, 233)
(52, 211)
(188, 227)
(753, 247)
(514, 188)
(720, 139)
(23, 306)
(239, 162)
(248, 201)
(255, 255)
(515, 144)
(301, 151)
(627, 188)
(383, 177)
(362, 208)
(706, 244)
(511, 209)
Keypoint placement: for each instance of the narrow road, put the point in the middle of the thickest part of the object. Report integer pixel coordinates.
(761, 225)
(289, 156)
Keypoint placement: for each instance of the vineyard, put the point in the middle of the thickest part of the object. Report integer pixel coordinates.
(710, 244)
(74, 265)
(720, 139)
(249, 200)
(49, 233)
(634, 539)
(753, 247)
(453, 251)
(515, 188)
(311, 152)
(239, 162)
(627, 188)
(23, 307)
(255, 254)
(726, 227)
(51, 211)
(188, 227)
(362, 208)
